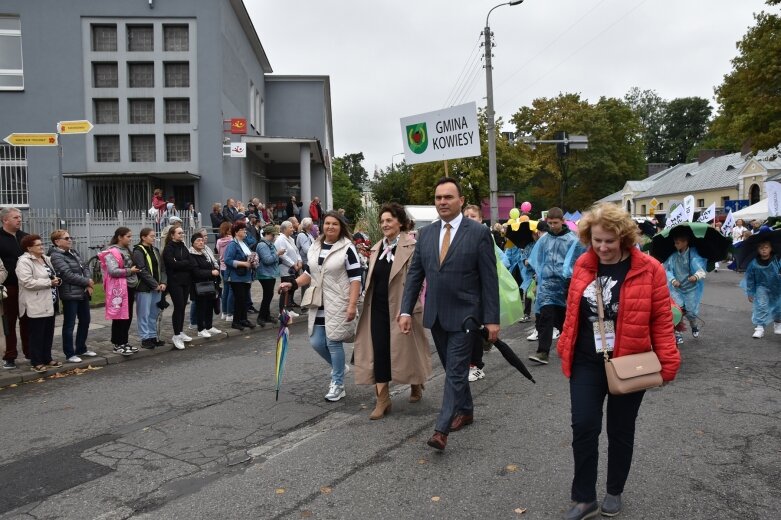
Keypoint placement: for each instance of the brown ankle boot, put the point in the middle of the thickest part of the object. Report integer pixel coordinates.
(416, 393)
(383, 401)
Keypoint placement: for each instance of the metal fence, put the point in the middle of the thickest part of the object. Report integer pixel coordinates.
(92, 230)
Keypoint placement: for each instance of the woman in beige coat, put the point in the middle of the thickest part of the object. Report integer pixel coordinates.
(382, 353)
(37, 293)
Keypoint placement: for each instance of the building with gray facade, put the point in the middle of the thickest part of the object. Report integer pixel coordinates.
(160, 80)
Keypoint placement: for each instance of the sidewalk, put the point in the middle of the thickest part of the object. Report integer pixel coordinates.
(99, 341)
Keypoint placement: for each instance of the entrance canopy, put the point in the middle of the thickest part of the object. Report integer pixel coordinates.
(755, 211)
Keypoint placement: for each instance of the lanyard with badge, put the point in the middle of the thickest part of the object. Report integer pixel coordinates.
(604, 330)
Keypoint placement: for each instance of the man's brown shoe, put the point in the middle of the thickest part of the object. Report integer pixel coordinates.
(461, 420)
(438, 441)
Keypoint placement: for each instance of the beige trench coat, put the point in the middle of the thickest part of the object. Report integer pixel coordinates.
(410, 354)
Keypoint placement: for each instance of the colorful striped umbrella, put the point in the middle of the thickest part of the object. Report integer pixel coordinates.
(282, 339)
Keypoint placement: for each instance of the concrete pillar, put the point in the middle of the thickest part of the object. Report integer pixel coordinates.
(305, 168)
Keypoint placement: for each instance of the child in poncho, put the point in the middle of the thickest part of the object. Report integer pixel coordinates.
(762, 284)
(686, 271)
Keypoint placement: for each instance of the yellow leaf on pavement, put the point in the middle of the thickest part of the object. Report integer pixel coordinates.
(435, 499)
(279, 491)
(511, 468)
(520, 510)
(326, 490)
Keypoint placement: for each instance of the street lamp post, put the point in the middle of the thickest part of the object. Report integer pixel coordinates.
(490, 126)
(392, 156)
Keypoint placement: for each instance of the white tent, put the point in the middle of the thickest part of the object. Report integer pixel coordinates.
(755, 211)
(422, 215)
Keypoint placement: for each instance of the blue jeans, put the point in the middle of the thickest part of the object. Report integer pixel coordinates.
(331, 351)
(146, 313)
(588, 388)
(227, 296)
(72, 309)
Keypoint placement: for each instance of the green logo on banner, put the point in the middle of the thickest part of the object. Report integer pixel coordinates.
(417, 137)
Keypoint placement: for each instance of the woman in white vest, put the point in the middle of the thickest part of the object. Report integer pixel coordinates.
(335, 284)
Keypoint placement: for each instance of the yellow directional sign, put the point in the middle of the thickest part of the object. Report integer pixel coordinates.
(16, 139)
(74, 127)
(654, 203)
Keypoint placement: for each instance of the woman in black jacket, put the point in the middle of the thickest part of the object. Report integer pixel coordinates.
(152, 282)
(75, 293)
(205, 270)
(179, 266)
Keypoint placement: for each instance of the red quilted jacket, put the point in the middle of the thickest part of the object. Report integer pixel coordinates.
(644, 321)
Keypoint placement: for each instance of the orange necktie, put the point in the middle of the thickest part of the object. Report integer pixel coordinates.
(445, 244)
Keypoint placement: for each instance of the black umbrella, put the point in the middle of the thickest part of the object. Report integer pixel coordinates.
(707, 240)
(522, 236)
(746, 250)
(500, 345)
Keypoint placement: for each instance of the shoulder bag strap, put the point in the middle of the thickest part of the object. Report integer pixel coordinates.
(601, 317)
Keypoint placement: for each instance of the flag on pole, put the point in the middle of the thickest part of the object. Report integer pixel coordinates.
(773, 189)
(688, 206)
(677, 216)
(728, 224)
(709, 214)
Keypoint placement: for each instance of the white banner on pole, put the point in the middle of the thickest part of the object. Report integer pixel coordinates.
(688, 207)
(450, 133)
(677, 216)
(773, 189)
(709, 214)
(729, 223)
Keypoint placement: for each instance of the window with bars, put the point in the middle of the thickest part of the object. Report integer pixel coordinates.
(177, 110)
(105, 75)
(11, 70)
(104, 37)
(104, 197)
(177, 147)
(142, 148)
(106, 111)
(141, 111)
(119, 194)
(141, 75)
(177, 74)
(140, 38)
(107, 148)
(13, 176)
(176, 38)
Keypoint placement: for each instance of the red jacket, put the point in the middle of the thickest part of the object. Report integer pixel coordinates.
(644, 321)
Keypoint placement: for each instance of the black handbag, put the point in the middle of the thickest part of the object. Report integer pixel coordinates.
(205, 289)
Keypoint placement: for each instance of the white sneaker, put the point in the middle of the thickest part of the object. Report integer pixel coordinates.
(89, 353)
(533, 336)
(185, 337)
(204, 334)
(347, 368)
(556, 334)
(214, 330)
(192, 327)
(475, 374)
(293, 314)
(74, 359)
(222, 316)
(178, 343)
(335, 392)
(777, 327)
(229, 317)
(759, 332)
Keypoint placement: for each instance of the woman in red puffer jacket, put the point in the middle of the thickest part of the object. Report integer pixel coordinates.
(636, 304)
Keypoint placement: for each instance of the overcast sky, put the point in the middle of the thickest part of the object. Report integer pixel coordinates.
(393, 58)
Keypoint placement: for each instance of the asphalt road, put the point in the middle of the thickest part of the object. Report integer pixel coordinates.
(197, 434)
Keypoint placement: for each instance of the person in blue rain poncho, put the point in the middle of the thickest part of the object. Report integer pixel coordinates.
(762, 284)
(516, 258)
(686, 271)
(548, 259)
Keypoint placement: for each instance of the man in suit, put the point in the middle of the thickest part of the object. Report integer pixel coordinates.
(456, 258)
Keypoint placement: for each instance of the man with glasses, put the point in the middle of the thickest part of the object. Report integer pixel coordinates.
(10, 237)
(75, 293)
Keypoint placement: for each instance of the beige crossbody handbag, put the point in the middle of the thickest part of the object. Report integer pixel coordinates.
(627, 374)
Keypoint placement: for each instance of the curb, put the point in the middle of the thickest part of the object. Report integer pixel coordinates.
(23, 374)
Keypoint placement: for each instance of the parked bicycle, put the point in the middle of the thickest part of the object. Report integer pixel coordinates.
(94, 263)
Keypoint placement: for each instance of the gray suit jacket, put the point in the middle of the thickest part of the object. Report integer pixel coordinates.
(465, 284)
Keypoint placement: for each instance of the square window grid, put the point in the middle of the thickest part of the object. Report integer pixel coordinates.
(106, 111)
(104, 38)
(140, 38)
(176, 38)
(141, 111)
(177, 110)
(177, 147)
(105, 75)
(107, 148)
(142, 148)
(141, 75)
(177, 74)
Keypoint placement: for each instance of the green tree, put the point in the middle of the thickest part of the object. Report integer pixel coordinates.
(650, 108)
(350, 164)
(685, 126)
(392, 184)
(345, 194)
(750, 97)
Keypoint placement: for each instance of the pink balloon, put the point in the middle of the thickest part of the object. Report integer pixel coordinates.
(526, 207)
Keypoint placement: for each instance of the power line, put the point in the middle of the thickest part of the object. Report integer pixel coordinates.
(469, 86)
(469, 61)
